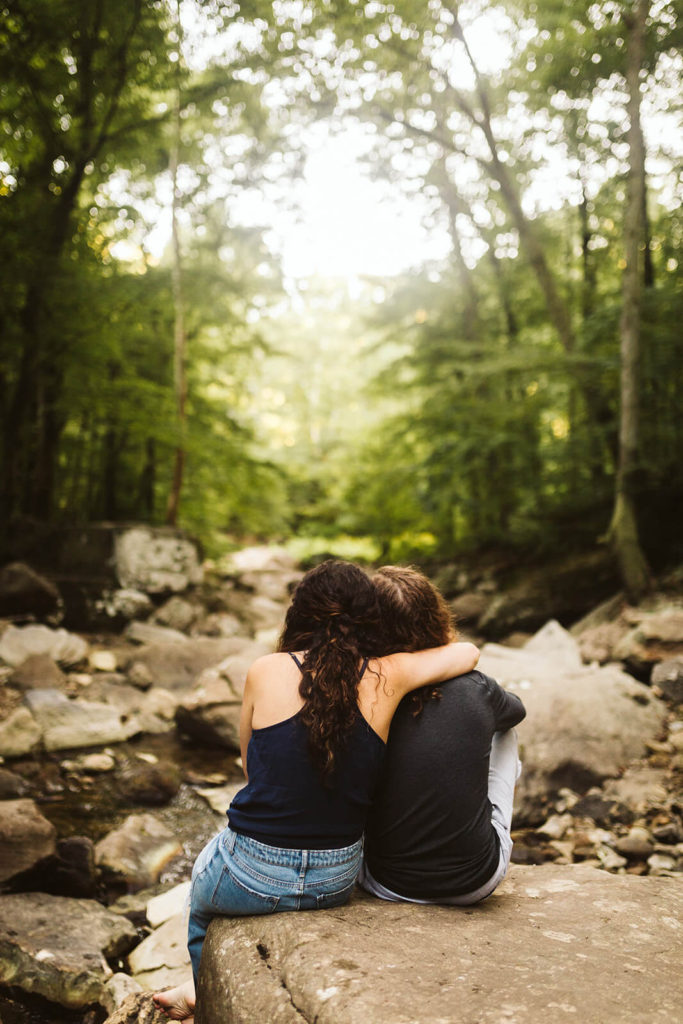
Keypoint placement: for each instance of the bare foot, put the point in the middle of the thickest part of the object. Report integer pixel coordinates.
(178, 1003)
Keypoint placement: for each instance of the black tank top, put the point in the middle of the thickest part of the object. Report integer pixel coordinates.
(285, 802)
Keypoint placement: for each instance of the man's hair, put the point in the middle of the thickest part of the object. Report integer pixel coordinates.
(413, 616)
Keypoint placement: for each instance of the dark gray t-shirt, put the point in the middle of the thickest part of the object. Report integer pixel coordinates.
(429, 833)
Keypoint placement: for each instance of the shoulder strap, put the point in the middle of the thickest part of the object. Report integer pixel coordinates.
(363, 667)
(295, 660)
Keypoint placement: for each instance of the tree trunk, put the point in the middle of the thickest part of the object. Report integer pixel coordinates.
(623, 531)
(179, 338)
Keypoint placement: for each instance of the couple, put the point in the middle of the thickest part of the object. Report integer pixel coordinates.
(434, 801)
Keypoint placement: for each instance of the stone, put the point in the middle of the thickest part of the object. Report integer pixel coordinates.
(57, 947)
(660, 864)
(178, 614)
(124, 605)
(26, 837)
(557, 644)
(219, 798)
(137, 1009)
(552, 943)
(211, 711)
(119, 987)
(39, 671)
(152, 633)
(665, 625)
(259, 558)
(25, 592)
(98, 763)
(12, 785)
(668, 676)
(168, 904)
(610, 859)
(19, 734)
(582, 726)
(156, 561)
(176, 666)
(140, 676)
(72, 871)
(600, 642)
(468, 608)
(102, 661)
(637, 845)
(602, 810)
(149, 784)
(556, 826)
(640, 788)
(222, 624)
(19, 642)
(68, 724)
(164, 949)
(138, 851)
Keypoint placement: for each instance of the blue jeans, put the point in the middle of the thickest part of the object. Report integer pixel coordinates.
(504, 770)
(237, 876)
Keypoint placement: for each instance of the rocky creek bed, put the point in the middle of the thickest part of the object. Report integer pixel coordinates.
(119, 750)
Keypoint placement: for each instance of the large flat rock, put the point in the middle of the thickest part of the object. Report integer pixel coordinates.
(554, 943)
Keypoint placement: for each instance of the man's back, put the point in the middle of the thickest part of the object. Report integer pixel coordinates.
(430, 833)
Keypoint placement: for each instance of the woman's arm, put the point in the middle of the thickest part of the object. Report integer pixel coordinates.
(246, 714)
(408, 671)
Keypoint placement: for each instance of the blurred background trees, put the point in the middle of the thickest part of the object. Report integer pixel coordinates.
(469, 398)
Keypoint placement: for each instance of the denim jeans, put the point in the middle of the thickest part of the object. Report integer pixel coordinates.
(236, 876)
(504, 770)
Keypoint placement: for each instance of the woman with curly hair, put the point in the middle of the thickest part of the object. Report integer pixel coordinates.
(314, 723)
(439, 827)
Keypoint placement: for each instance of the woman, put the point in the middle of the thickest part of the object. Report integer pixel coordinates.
(439, 828)
(314, 723)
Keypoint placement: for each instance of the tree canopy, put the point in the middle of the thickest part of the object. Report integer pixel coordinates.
(505, 390)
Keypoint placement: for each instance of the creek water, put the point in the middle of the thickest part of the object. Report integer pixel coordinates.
(89, 805)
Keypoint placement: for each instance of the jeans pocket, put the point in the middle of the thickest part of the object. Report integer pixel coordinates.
(231, 896)
(335, 899)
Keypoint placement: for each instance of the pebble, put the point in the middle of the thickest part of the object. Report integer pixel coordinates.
(102, 661)
(637, 845)
(610, 859)
(556, 826)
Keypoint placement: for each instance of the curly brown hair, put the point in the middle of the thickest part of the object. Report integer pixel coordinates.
(413, 616)
(334, 619)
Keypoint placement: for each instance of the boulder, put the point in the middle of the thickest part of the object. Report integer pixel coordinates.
(168, 904)
(149, 784)
(657, 636)
(56, 947)
(221, 624)
(552, 943)
(26, 837)
(468, 608)
(162, 959)
(152, 633)
(178, 614)
(25, 592)
(156, 561)
(211, 711)
(219, 798)
(19, 734)
(583, 724)
(138, 851)
(19, 642)
(67, 724)
(176, 666)
(117, 990)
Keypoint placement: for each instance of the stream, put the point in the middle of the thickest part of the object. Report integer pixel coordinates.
(87, 805)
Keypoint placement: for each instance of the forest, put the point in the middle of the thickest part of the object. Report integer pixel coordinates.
(512, 381)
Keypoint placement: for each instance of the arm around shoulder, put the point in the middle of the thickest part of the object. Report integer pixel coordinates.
(411, 670)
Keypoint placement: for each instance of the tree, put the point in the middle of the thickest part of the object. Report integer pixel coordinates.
(623, 528)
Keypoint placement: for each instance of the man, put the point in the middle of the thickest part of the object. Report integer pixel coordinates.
(439, 828)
